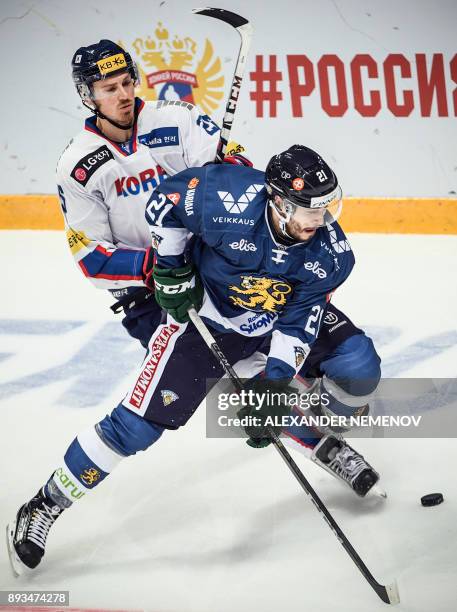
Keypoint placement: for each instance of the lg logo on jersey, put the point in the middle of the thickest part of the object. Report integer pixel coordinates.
(132, 185)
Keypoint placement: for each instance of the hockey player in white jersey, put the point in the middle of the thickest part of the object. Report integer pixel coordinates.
(108, 172)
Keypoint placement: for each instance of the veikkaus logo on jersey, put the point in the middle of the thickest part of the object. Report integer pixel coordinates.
(332, 253)
(315, 268)
(132, 185)
(243, 245)
(86, 166)
(234, 220)
(339, 246)
(244, 200)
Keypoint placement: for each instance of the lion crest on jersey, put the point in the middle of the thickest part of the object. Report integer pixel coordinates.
(260, 294)
(178, 75)
(90, 476)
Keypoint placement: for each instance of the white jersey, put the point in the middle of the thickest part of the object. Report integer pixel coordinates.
(104, 187)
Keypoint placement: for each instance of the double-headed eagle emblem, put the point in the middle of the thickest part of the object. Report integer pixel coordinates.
(169, 70)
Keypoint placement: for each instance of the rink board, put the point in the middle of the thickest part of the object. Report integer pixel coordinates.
(374, 215)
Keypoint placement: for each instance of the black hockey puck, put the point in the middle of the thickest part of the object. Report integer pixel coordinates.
(432, 499)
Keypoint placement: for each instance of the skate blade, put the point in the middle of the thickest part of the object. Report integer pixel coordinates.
(378, 491)
(17, 567)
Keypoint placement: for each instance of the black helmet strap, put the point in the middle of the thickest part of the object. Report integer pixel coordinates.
(117, 125)
(98, 113)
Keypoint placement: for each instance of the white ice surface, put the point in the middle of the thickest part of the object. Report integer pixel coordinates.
(204, 525)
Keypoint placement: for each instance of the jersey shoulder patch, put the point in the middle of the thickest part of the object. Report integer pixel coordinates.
(89, 164)
(164, 103)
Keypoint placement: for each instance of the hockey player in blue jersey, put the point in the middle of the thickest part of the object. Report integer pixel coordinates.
(259, 255)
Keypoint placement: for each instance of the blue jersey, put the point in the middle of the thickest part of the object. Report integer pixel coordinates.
(217, 217)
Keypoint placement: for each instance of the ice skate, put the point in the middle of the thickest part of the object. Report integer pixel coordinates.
(338, 458)
(26, 535)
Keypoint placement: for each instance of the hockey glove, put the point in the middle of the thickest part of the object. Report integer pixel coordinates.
(238, 160)
(148, 264)
(271, 403)
(177, 289)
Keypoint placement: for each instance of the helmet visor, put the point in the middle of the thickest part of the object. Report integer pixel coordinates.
(321, 211)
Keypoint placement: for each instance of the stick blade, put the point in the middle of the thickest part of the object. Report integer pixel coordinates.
(393, 593)
(232, 19)
(389, 593)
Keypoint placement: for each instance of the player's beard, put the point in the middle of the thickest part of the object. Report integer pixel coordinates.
(297, 232)
(126, 116)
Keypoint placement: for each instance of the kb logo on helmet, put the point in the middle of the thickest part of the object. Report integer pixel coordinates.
(114, 62)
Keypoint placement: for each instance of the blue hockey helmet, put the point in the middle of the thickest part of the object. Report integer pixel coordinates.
(304, 182)
(100, 61)
(301, 176)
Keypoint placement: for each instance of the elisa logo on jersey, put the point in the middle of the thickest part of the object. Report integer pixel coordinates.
(174, 67)
(243, 245)
(90, 476)
(236, 207)
(260, 294)
(298, 184)
(192, 184)
(133, 185)
(174, 197)
(86, 166)
(315, 268)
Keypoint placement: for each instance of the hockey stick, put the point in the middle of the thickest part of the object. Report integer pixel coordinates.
(389, 593)
(245, 30)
